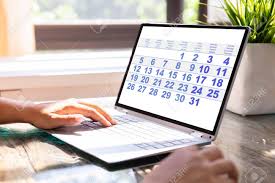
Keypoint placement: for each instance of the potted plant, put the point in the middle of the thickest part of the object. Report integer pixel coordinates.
(254, 88)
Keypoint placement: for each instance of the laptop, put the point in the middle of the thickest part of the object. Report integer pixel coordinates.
(173, 94)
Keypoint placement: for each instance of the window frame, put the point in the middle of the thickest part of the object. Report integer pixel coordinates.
(84, 36)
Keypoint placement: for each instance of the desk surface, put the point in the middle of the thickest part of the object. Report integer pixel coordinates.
(30, 155)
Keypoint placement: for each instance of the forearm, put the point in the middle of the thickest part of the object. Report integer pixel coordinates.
(13, 111)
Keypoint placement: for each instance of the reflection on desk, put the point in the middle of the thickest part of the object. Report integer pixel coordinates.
(33, 155)
(84, 174)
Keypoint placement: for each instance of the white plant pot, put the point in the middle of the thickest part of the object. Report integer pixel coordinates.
(253, 91)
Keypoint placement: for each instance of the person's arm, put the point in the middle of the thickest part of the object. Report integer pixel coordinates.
(11, 111)
(52, 115)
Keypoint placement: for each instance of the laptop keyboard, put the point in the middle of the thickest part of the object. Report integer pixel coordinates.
(138, 130)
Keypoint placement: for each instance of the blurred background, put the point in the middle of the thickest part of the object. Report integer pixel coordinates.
(112, 10)
(72, 24)
(57, 49)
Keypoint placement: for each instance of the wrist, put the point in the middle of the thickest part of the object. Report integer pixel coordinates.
(14, 111)
(26, 111)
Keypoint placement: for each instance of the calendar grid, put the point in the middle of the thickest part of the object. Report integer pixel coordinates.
(230, 50)
(196, 73)
(185, 61)
(192, 51)
(183, 71)
(171, 90)
(171, 80)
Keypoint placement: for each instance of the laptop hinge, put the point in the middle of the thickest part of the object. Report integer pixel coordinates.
(202, 135)
(122, 110)
(197, 134)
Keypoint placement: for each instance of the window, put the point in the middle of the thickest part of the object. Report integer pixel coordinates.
(75, 24)
(191, 11)
(216, 13)
(75, 10)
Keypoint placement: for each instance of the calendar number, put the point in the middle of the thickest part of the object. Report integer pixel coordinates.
(221, 71)
(226, 61)
(195, 57)
(183, 87)
(179, 98)
(137, 68)
(164, 63)
(131, 86)
(217, 82)
(197, 90)
(178, 65)
(145, 79)
(141, 89)
(204, 69)
(169, 84)
(192, 67)
(141, 60)
(134, 77)
(166, 94)
(160, 72)
(173, 74)
(148, 70)
(153, 61)
(181, 56)
(210, 59)
(153, 92)
(157, 82)
(201, 79)
(213, 93)
(194, 101)
(186, 77)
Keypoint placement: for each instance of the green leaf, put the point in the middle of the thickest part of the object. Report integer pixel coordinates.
(258, 14)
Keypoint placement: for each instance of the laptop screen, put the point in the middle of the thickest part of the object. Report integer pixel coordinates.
(182, 73)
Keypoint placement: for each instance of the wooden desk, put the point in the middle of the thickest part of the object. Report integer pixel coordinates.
(30, 155)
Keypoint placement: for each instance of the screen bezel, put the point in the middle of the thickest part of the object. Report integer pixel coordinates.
(228, 88)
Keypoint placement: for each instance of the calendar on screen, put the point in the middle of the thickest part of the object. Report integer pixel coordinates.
(181, 73)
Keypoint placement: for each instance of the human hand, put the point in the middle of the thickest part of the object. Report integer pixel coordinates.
(65, 113)
(191, 165)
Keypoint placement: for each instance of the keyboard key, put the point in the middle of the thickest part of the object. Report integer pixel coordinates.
(98, 123)
(177, 142)
(149, 148)
(159, 146)
(186, 140)
(168, 144)
(142, 145)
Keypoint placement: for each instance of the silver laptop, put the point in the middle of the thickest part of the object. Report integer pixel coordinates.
(173, 94)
